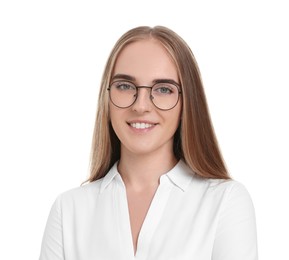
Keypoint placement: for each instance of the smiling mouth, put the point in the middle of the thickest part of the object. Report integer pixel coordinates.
(141, 125)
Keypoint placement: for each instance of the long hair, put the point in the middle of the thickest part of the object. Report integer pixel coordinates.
(194, 141)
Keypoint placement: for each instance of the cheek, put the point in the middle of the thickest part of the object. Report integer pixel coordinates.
(177, 115)
(173, 120)
(112, 116)
(116, 118)
(113, 113)
(113, 119)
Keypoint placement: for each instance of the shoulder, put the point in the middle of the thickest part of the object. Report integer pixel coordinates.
(231, 189)
(225, 192)
(80, 195)
(219, 185)
(233, 198)
(206, 188)
(88, 194)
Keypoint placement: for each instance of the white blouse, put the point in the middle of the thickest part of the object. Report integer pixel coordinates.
(189, 218)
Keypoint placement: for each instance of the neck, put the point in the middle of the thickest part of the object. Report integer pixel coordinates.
(144, 171)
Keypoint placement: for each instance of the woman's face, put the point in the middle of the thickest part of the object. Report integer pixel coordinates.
(143, 128)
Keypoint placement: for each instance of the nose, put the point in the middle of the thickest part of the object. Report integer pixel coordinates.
(143, 102)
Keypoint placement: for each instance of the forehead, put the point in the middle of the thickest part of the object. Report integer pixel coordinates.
(146, 60)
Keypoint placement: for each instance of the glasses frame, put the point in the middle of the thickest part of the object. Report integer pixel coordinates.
(147, 87)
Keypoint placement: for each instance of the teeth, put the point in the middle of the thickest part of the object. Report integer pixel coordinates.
(141, 125)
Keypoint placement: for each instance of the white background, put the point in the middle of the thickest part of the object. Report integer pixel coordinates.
(52, 55)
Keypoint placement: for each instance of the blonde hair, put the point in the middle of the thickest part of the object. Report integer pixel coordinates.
(194, 142)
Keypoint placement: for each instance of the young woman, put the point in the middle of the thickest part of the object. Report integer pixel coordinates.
(158, 188)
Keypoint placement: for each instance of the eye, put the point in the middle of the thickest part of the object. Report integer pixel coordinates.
(124, 86)
(163, 89)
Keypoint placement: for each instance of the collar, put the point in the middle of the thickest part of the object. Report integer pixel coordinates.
(180, 175)
(107, 179)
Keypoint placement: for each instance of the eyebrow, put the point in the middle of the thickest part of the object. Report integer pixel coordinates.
(123, 76)
(133, 79)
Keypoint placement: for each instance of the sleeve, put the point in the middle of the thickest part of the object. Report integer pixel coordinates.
(236, 236)
(52, 242)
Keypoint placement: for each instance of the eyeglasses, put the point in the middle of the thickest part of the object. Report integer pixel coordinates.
(164, 95)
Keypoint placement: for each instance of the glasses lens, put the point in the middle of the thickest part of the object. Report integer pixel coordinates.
(165, 96)
(122, 93)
